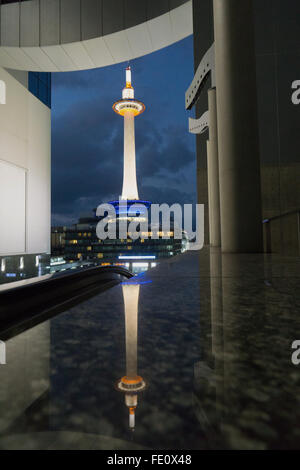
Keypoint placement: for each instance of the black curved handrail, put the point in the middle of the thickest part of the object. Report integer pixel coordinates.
(23, 306)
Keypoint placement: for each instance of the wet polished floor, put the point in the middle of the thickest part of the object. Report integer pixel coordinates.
(194, 354)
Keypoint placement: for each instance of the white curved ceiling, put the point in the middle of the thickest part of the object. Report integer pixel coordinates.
(111, 49)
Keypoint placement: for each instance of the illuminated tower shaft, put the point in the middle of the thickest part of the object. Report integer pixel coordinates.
(129, 190)
(128, 107)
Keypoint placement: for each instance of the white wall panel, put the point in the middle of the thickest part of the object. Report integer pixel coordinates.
(139, 40)
(59, 57)
(7, 61)
(118, 45)
(98, 52)
(182, 22)
(40, 57)
(19, 56)
(12, 208)
(161, 31)
(25, 148)
(39, 169)
(79, 56)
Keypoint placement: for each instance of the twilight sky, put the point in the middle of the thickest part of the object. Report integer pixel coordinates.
(87, 136)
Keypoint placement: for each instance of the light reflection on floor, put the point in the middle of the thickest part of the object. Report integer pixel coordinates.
(210, 336)
(138, 267)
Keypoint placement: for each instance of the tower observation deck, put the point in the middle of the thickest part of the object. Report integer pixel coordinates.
(129, 108)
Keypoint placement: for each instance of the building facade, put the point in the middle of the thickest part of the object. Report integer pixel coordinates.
(277, 47)
(25, 159)
(80, 243)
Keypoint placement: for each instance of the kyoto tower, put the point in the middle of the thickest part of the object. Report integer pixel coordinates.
(128, 107)
(132, 383)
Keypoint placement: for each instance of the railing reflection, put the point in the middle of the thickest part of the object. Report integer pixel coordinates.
(282, 234)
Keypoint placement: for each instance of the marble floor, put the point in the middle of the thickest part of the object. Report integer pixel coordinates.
(213, 346)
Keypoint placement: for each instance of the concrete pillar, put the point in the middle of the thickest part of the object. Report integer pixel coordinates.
(239, 163)
(209, 192)
(213, 172)
(203, 39)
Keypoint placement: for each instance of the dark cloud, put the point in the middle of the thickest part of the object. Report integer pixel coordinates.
(162, 149)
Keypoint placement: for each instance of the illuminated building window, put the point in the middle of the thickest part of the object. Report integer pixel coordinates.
(89, 248)
(73, 242)
(84, 234)
(165, 234)
(129, 240)
(80, 234)
(142, 240)
(129, 248)
(100, 255)
(79, 255)
(89, 234)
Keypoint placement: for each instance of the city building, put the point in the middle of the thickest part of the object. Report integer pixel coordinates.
(58, 240)
(81, 243)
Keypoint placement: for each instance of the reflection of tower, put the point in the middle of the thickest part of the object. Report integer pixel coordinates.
(131, 384)
(128, 107)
